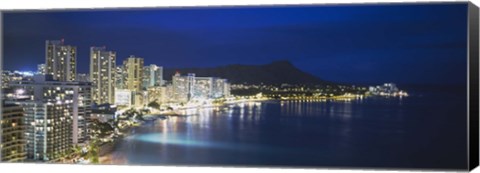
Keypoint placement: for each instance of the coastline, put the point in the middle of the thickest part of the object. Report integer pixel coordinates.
(107, 154)
(111, 158)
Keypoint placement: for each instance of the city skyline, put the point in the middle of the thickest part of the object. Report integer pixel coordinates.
(161, 39)
(274, 86)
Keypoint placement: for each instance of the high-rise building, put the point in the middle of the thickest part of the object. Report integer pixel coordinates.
(152, 76)
(12, 134)
(183, 87)
(221, 88)
(134, 73)
(60, 60)
(41, 69)
(102, 75)
(120, 77)
(190, 87)
(203, 88)
(56, 113)
(210, 88)
(226, 89)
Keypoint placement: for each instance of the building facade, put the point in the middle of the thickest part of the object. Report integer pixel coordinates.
(210, 88)
(183, 87)
(102, 75)
(192, 88)
(12, 134)
(157, 94)
(60, 60)
(152, 76)
(103, 113)
(56, 113)
(120, 77)
(203, 88)
(161, 94)
(123, 97)
(133, 67)
(221, 88)
(140, 98)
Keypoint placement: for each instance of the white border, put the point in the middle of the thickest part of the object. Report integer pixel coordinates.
(89, 4)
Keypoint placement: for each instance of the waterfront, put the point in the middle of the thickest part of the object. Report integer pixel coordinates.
(420, 131)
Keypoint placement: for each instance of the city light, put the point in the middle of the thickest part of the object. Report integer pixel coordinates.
(138, 94)
(20, 91)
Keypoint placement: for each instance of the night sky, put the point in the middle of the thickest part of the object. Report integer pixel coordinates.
(405, 44)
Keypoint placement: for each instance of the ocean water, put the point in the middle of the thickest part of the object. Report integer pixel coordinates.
(425, 131)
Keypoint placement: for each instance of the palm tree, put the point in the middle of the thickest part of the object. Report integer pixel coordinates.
(94, 155)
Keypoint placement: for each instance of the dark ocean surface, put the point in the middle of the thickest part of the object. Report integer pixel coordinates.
(426, 130)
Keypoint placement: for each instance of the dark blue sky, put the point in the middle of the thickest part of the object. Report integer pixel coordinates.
(406, 44)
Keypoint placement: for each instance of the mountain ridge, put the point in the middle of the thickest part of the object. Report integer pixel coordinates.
(274, 73)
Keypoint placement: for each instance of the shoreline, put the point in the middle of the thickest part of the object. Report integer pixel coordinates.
(108, 156)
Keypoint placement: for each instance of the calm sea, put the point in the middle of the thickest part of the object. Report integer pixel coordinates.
(426, 130)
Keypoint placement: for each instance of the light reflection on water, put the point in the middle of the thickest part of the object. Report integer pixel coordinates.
(283, 132)
(187, 140)
(195, 131)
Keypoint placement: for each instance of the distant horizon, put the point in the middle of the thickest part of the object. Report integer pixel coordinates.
(426, 44)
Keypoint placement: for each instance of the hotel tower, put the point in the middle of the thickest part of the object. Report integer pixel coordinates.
(102, 75)
(60, 60)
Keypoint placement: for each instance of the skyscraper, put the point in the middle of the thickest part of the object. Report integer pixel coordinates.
(56, 113)
(102, 75)
(12, 134)
(134, 73)
(60, 60)
(152, 76)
